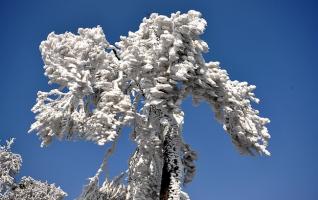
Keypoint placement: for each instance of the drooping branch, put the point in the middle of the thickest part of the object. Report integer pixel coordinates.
(188, 158)
(111, 190)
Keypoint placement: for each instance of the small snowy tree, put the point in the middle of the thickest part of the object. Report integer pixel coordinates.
(140, 82)
(27, 188)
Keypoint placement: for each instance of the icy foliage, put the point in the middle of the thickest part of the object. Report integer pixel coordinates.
(141, 82)
(31, 189)
(27, 188)
(10, 164)
(90, 102)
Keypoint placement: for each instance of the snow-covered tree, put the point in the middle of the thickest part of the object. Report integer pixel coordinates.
(141, 81)
(27, 188)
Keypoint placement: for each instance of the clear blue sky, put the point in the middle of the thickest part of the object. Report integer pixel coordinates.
(272, 44)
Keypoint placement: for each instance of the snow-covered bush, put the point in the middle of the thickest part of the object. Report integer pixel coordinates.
(27, 188)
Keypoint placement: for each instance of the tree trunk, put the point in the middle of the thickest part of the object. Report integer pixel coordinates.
(172, 168)
(145, 166)
(155, 169)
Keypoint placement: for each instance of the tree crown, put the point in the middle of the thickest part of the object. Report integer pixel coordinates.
(101, 86)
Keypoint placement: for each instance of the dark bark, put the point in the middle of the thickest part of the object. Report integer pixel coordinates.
(165, 179)
(171, 167)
